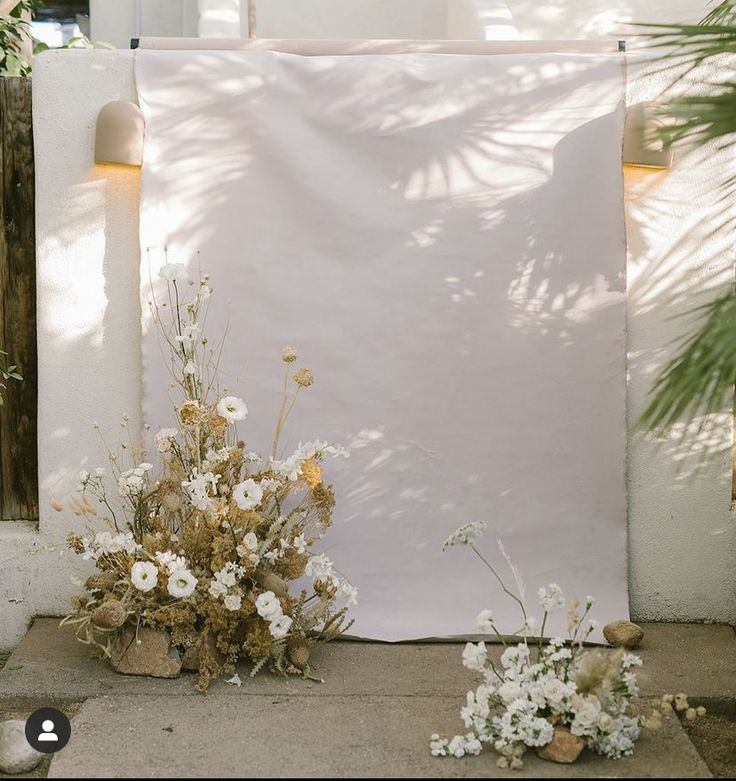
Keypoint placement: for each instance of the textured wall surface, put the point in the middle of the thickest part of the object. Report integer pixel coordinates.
(681, 534)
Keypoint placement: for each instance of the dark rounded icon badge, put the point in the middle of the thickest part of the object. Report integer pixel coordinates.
(48, 730)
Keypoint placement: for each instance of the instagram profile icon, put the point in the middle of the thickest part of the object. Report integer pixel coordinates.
(48, 730)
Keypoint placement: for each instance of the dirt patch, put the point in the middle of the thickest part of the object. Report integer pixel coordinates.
(12, 708)
(714, 737)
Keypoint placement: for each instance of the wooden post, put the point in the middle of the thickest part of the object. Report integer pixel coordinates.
(18, 446)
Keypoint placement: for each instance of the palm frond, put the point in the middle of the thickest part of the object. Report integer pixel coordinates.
(700, 379)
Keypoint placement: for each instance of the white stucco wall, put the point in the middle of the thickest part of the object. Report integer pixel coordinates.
(682, 541)
(113, 20)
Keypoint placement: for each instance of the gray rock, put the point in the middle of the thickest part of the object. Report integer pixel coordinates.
(623, 634)
(149, 653)
(16, 755)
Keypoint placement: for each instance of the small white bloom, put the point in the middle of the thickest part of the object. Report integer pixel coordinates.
(190, 368)
(235, 681)
(268, 606)
(217, 589)
(551, 598)
(233, 602)
(279, 626)
(475, 656)
(144, 575)
(484, 621)
(173, 272)
(248, 494)
(300, 544)
(232, 409)
(181, 583)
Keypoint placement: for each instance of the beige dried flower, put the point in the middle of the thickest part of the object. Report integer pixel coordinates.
(690, 714)
(289, 354)
(311, 473)
(303, 377)
(700, 710)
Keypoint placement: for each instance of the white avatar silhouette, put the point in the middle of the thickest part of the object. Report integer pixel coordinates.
(48, 734)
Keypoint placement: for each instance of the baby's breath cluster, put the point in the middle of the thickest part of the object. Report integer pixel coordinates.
(536, 688)
(204, 543)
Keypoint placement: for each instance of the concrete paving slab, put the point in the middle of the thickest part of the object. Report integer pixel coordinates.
(697, 659)
(328, 736)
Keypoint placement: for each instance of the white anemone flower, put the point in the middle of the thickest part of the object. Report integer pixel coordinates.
(248, 494)
(181, 583)
(232, 409)
(144, 575)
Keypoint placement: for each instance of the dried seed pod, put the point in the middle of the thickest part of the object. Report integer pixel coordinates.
(298, 653)
(102, 581)
(270, 581)
(110, 615)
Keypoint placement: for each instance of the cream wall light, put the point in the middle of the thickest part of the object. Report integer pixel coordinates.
(642, 147)
(119, 134)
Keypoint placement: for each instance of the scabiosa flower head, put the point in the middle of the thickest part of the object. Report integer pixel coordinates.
(303, 377)
(289, 354)
(144, 575)
(232, 409)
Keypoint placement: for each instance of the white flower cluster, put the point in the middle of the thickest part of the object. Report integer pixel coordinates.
(291, 467)
(132, 481)
(320, 568)
(197, 488)
(180, 583)
(466, 535)
(104, 543)
(518, 700)
(225, 580)
(269, 608)
(522, 698)
(164, 438)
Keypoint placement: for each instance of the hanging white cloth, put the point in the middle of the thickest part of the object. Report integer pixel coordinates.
(443, 238)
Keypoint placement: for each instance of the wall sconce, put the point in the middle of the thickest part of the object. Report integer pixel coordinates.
(119, 134)
(642, 147)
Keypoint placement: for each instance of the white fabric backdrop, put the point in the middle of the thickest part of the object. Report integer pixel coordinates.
(443, 238)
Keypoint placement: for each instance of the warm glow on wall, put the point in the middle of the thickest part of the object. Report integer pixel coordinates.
(119, 134)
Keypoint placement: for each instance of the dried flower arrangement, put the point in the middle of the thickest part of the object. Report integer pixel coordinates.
(556, 697)
(201, 551)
